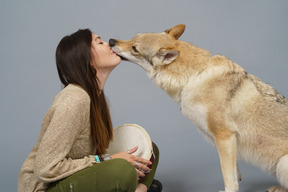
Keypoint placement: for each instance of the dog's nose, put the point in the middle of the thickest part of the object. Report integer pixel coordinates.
(112, 42)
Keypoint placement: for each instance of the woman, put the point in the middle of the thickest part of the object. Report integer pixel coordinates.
(77, 129)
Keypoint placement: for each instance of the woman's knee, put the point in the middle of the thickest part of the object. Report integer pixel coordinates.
(113, 175)
(124, 173)
(122, 166)
(156, 150)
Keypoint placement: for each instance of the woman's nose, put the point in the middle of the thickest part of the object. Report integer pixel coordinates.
(106, 43)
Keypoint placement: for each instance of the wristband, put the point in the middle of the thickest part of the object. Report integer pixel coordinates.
(97, 158)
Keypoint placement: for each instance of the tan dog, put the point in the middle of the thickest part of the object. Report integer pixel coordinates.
(243, 116)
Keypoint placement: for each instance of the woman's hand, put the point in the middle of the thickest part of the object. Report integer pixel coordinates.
(139, 163)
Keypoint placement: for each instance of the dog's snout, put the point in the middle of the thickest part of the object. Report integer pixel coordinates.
(112, 42)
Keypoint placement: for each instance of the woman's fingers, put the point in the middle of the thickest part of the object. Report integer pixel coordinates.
(143, 161)
(140, 173)
(141, 167)
(141, 164)
(133, 150)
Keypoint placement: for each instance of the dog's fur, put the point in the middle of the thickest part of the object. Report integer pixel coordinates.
(243, 116)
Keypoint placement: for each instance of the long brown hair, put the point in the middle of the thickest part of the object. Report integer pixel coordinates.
(73, 56)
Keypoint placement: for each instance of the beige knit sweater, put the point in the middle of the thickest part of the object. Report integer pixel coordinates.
(64, 146)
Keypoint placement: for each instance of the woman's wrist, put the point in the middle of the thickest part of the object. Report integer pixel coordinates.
(106, 157)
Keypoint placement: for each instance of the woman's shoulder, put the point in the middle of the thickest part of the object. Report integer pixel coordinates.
(73, 94)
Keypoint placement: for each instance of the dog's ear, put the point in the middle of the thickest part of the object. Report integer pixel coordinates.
(164, 57)
(176, 31)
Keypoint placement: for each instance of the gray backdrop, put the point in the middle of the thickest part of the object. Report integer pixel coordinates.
(252, 33)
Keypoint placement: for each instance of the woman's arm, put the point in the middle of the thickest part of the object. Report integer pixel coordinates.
(69, 119)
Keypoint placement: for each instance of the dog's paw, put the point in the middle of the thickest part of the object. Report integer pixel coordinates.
(276, 189)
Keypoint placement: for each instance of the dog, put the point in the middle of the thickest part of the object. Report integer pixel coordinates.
(244, 117)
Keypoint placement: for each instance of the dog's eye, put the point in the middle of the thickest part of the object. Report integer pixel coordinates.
(134, 49)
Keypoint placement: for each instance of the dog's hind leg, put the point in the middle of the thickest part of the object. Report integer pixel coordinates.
(226, 146)
(282, 175)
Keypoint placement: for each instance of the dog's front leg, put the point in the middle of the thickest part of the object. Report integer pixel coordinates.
(239, 178)
(226, 145)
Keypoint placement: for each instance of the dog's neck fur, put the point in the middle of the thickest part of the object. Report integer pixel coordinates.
(174, 77)
(175, 81)
(172, 86)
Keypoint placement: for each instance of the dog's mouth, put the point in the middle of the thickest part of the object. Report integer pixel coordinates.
(122, 58)
(112, 43)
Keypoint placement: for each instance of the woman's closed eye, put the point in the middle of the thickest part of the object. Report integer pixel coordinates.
(99, 41)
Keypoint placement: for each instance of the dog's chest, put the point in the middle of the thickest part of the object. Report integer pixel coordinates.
(193, 109)
(197, 114)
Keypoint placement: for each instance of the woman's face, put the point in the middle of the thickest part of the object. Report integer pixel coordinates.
(103, 58)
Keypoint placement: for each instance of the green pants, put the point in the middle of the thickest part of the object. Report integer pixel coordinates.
(117, 175)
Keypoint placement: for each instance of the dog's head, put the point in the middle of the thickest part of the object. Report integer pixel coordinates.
(150, 50)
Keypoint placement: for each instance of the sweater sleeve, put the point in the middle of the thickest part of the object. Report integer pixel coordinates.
(51, 162)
